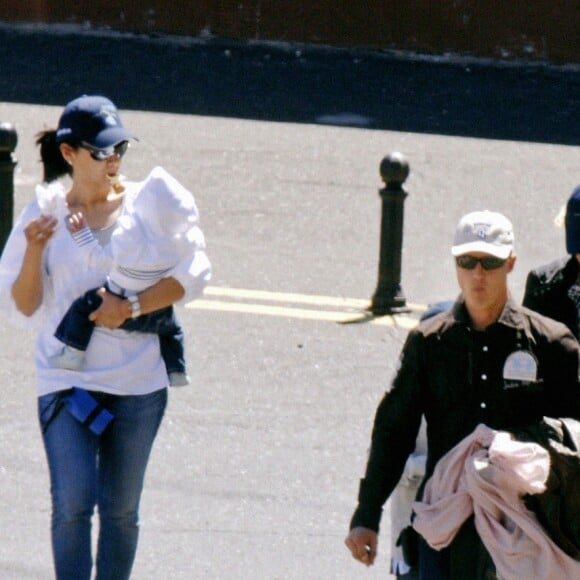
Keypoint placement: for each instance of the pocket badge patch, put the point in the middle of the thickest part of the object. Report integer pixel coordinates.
(520, 365)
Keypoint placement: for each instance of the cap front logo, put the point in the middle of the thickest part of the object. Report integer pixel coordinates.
(481, 230)
(109, 116)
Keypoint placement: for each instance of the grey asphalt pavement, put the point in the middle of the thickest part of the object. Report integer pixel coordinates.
(255, 471)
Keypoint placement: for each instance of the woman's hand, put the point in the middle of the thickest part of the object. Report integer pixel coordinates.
(112, 312)
(27, 289)
(39, 231)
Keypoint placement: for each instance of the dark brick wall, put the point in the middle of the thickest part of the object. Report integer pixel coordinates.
(535, 30)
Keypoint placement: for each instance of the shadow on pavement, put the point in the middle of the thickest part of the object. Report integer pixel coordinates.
(293, 83)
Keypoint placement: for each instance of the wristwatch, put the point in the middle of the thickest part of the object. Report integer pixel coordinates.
(135, 305)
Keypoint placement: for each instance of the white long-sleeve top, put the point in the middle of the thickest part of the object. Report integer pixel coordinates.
(158, 230)
(117, 362)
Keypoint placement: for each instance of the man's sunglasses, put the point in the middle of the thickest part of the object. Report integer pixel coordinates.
(487, 263)
(103, 154)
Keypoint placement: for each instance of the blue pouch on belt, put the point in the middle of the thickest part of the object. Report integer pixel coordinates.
(83, 407)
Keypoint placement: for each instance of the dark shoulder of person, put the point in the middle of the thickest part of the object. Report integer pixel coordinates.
(561, 271)
(551, 328)
(547, 291)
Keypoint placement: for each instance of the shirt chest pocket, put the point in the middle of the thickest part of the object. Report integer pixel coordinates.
(449, 378)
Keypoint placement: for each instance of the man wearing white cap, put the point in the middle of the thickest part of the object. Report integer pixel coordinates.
(487, 360)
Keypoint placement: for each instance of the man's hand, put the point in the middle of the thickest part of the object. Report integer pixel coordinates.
(362, 544)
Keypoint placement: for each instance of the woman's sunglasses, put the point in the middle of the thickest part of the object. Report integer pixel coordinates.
(103, 154)
(487, 263)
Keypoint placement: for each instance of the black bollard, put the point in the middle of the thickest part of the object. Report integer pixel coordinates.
(8, 141)
(389, 297)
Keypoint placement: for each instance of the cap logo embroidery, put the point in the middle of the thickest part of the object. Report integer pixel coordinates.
(109, 116)
(481, 230)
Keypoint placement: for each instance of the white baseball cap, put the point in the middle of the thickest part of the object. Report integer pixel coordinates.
(484, 231)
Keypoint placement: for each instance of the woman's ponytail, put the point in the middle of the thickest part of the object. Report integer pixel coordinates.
(54, 163)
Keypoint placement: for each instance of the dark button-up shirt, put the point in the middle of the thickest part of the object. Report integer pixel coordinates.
(454, 376)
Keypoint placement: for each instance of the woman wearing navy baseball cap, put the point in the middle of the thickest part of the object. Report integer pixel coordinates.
(99, 421)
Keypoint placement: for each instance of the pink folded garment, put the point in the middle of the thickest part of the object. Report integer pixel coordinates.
(487, 474)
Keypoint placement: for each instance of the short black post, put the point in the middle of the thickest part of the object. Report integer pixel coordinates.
(8, 141)
(389, 297)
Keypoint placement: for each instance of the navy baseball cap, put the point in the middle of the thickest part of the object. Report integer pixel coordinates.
(573, 223)
(93, 120)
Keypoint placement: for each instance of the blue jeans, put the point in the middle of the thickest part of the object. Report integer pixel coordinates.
(107, 470)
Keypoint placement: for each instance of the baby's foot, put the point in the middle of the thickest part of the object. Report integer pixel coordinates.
(177, 379)
(68, 358)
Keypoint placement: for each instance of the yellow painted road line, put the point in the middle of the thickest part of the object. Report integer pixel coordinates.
(314, 300)
(344, 317)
